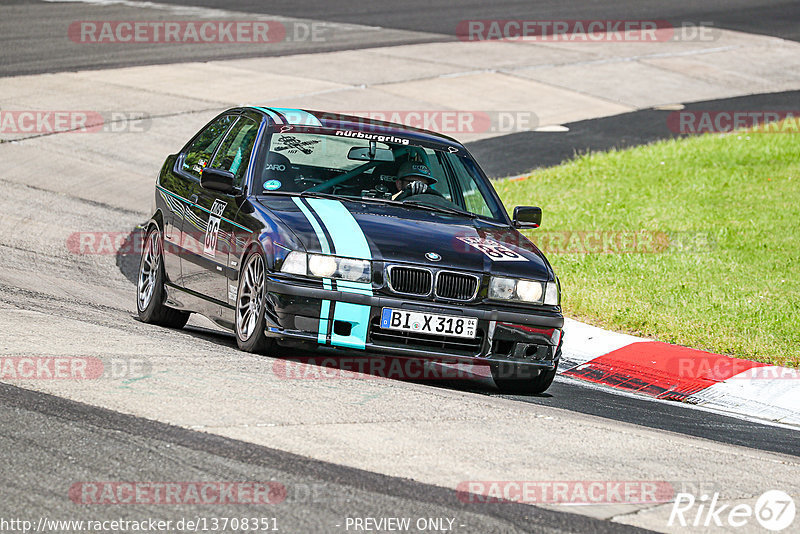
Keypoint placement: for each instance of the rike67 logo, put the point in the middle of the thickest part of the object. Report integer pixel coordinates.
(774, 510)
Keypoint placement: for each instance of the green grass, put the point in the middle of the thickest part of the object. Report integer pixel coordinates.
(729, 208)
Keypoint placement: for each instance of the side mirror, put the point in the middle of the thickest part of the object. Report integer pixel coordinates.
(527, 217)
(217, 180)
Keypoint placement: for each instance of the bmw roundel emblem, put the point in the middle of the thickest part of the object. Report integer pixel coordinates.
(433, 256)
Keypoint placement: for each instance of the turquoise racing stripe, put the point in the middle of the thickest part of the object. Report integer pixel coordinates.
(325, 308)
(323, 241)
(272, 115)
(349, 241)
(348, 238)
(298, 117)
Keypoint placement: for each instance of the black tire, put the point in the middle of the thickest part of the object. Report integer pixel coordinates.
(150, 294)
(519, 380)
(251, 304)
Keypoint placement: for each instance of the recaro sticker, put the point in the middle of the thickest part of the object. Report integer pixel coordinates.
(212, 229)
(492, 249)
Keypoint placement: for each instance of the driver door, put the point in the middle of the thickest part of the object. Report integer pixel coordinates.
(207, 272)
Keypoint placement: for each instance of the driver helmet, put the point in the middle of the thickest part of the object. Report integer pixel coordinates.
(411, 170)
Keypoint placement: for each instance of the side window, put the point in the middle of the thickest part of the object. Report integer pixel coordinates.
(234, 154)
(474, 200)
(202, 148)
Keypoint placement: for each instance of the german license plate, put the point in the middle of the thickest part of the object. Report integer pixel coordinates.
(428, 323)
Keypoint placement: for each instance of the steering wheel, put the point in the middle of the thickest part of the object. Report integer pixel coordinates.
(430, 191)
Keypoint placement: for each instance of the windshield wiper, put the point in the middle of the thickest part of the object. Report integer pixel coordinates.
(301, 194)
(412, 204)
(441, 209)
(405, 203)
(316, 194)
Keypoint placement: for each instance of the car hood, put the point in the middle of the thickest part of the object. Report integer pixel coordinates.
(409, 235)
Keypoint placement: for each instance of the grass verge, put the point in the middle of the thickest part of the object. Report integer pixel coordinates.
(693, 241)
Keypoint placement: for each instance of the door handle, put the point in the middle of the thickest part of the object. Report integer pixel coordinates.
(193, 199)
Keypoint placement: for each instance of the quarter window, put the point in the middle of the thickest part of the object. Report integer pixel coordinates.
(199, 153)
(234, 154)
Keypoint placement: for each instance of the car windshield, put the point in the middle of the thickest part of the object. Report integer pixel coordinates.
(385, 168)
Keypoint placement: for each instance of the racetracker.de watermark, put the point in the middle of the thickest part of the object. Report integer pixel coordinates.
(72, 368)
(127, 243)
(137, 32)
(585, 31)
(566, 492)
(451, 122)
(352, 368)
(41, 122)
(551, 242)
(504, 243)
(727, 368)
(203, 493)
(726, 121)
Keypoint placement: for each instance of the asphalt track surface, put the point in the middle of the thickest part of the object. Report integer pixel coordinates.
(33, 34)
(63, 442)
(517, 153)
(768, 17)
(49, 442)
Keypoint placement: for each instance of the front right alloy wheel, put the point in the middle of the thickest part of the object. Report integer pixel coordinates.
(150, 293)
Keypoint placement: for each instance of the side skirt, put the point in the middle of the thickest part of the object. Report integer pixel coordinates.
(220, 313)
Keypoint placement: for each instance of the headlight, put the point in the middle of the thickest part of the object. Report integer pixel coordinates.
(502, 288)
(355, 270)
(295, 263)
(325, 266)
(524, 290)
(322, 266)
(529, 291)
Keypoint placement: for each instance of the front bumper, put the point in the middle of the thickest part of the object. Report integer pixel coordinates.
(345, 319)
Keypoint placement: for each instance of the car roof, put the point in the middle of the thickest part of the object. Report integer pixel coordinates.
(338, 121)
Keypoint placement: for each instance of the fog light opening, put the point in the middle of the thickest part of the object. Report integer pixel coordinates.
(342, 328)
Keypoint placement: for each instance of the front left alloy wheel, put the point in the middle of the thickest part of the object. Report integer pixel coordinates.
(251, 304)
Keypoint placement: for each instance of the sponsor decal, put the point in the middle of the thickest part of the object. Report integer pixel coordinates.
(292, 145)
(272, 185)
(421, 169)
(373, 137)
(233, 292)
(212, 229)
(275, 167)
(492, 249)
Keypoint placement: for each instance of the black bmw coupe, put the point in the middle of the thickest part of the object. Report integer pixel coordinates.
(301, 228)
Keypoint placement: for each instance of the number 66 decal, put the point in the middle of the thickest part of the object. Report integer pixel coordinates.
(212, 229)
(492, 249)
